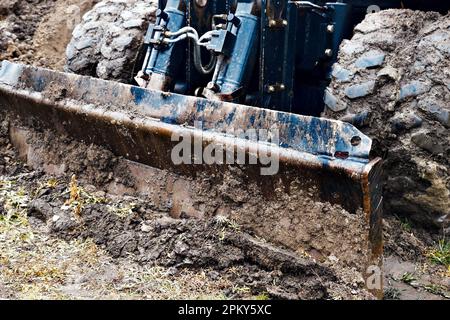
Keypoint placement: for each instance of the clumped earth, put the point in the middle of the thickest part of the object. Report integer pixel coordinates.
(37, 31)
(64, 236)
(392, 80)
(106, 42)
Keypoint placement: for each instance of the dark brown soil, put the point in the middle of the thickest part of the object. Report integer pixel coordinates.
(38, 31)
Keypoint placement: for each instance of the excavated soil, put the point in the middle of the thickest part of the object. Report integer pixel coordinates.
(392, 80)
(80, 227)
(37, 31)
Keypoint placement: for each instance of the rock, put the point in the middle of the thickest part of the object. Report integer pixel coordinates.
(405, 122)
(127, 15)
(112, 10)
(441, 40)
(359, 120)
(334, 103)
(146, 228)
(341, 74)
(370, 24)
(78, 31)
(413, 89)
(91, 25)
(371, 59)
(40, 209)
(117, 29)
(85, 43)
(436, 111)
(121, 42)
(389, 72)
(351, 48)
(409, 108)
(360, 90)
(425, 141)
(63, 221)
(172, 271)
(134, 23)
(70, 52)
(333, 258)
(181, 248)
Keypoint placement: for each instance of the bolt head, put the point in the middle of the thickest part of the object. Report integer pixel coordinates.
(329, 53)
(201, 3)
(330, 28)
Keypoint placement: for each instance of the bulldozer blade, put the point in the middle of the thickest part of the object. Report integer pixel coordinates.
(324, 198)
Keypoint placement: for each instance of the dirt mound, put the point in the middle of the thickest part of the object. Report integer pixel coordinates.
(106, 43)
(37, 32)
(392, 80)
(21, 19)
(55, 31)
(156, 239)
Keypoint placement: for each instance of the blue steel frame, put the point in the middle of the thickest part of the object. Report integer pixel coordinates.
(281, 58)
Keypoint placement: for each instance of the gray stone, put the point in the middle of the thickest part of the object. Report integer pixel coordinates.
(350, 48)
(371, 59)
(112, 10)
(134, 23)
(127, 15)
(360, 90)
(389, 72)
(406, 121)
(341, 74)
(85, 43)
(90, 16)
(425, 141)
(441, 40)
(91, 25)
(122, 42)
(359, 120)
(413, 89)
(435, 111)
(333, 103)
(370, 24)
(70, 51)
(78, 31)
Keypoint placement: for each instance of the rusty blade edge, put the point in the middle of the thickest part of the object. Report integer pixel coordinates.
(354, 169)
(302, 133)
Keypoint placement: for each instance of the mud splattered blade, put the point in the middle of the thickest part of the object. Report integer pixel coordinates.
(324, 198)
